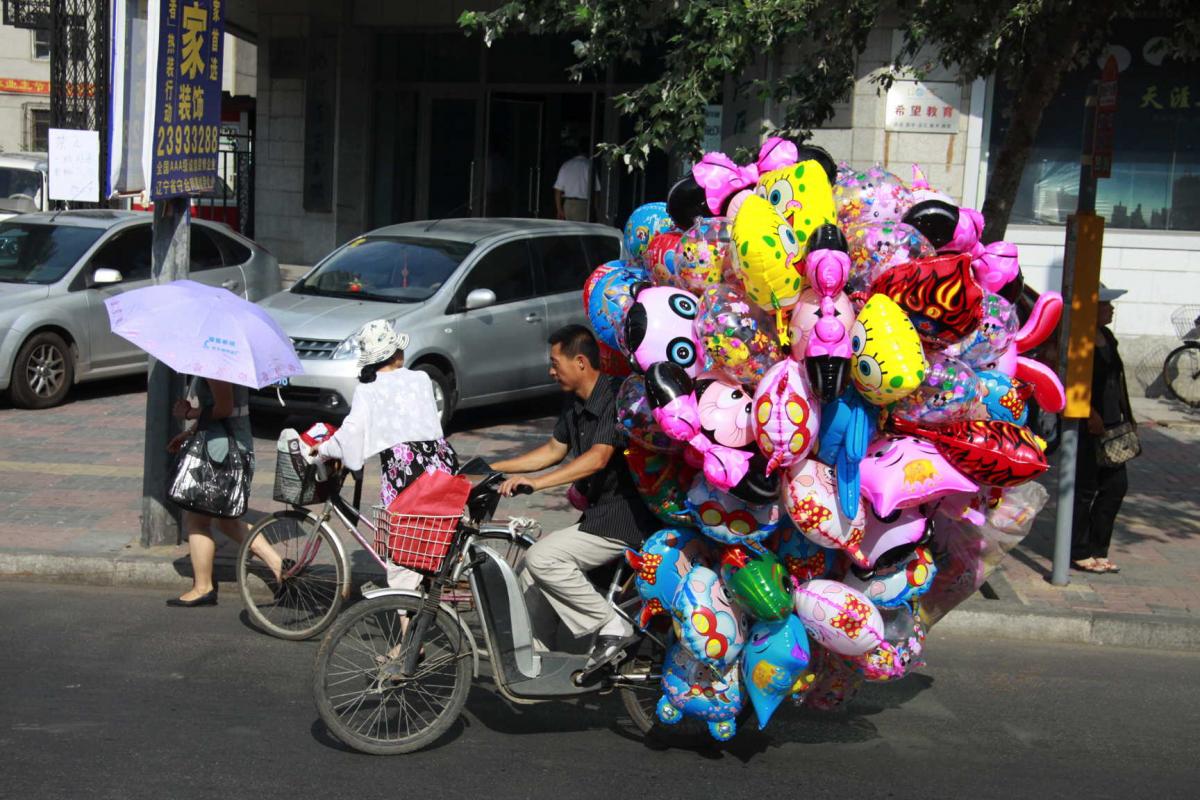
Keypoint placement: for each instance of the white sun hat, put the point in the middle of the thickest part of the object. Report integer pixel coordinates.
(377, 341)
(1108, 295)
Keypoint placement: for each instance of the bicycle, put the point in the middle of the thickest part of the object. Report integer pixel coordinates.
(316, 579)
(1181, 367)
(393, 674)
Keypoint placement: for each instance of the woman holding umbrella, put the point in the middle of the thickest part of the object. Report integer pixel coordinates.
(228, 405)
(227, 344)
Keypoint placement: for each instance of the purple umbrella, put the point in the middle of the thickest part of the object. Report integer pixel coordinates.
(206, 331)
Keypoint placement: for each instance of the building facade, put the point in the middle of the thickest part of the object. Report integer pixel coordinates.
(24, 89)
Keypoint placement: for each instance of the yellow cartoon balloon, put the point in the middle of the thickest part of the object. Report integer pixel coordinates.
(768, 256)
(888, 362)
(802, 194)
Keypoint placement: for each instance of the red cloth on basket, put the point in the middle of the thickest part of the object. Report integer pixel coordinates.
(423, 519)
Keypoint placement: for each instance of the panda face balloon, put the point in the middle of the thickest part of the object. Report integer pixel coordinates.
(658, 328)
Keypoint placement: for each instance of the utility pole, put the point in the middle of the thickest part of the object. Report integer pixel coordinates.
(1080, 283)
(169, 253)
(184, 88)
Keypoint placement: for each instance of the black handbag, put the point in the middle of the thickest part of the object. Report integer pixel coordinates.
(207, 486)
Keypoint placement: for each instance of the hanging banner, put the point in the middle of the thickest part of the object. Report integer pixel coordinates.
(187, 109)
(129, 75)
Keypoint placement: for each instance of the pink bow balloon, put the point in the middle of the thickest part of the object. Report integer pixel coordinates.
(720, 177)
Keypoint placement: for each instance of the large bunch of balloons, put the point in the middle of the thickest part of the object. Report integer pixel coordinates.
(825, 407)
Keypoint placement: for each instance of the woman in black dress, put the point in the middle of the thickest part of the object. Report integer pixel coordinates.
(1099, 490)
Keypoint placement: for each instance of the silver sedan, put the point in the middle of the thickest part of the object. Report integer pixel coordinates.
(56, 269)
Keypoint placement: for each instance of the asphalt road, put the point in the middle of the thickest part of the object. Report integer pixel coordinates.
(109, 694)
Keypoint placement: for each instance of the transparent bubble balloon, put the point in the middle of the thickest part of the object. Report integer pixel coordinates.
(636, 419)
(876, 247)
(949, 392)
(995, 334)
(873, 195)
(735, 336)
(702, 254)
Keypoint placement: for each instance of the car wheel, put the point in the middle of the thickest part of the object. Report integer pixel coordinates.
(443, 390)
(43, 372)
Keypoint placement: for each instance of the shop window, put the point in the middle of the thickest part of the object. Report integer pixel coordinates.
(41, 44)
(1155, 181)
(38, 122)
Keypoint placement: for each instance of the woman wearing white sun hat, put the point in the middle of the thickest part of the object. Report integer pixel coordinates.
(394, 414)
(1100, 490)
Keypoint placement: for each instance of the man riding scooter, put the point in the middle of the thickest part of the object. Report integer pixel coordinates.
(614, 516)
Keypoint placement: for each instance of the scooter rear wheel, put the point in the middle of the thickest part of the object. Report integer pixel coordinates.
(360, 690)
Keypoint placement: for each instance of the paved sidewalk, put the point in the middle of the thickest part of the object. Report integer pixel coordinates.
(70, 485)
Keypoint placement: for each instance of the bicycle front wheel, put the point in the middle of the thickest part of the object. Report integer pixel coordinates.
(361, 691)
(1181, 373)
(310, 595)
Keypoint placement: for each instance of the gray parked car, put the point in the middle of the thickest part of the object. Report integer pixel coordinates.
(479, 297)
(56, 271)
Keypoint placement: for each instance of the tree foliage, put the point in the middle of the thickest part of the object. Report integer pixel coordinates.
(702, 42)
(1028, 44)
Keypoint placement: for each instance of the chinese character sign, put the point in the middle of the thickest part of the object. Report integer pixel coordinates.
(187, 115)
(915, 106)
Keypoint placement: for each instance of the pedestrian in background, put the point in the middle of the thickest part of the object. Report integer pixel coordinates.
(571, 185)
(1099, 487)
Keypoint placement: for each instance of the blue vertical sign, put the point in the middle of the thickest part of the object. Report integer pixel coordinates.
(187, 114)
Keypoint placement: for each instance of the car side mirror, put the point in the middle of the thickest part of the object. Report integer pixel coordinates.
(103, 276)
(480, 298)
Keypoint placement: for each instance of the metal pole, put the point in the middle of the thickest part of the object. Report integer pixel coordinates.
(169, 253)
(1068, 449)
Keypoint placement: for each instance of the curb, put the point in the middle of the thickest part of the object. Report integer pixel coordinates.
(1009, 622)
(1084, 627)
(156, 573)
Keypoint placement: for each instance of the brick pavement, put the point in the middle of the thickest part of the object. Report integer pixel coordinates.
(70, 484)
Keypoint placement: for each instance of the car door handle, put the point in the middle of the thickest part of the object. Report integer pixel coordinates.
(533, 317)
(232, 286)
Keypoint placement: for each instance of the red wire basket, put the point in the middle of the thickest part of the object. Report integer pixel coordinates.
(417, 541)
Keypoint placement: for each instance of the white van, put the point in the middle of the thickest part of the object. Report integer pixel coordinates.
(24, 183)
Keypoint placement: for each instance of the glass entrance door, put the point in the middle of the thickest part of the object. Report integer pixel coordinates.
(513, 167)
(452, 175)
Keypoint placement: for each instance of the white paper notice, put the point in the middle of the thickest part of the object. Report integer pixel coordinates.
(74, 165)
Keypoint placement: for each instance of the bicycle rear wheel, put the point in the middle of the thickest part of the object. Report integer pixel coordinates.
(360, 690)
(1181, 373)
(311, 593)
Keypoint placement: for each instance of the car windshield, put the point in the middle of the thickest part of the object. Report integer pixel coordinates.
(392, 269)
(41, 253)
(20, 189)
